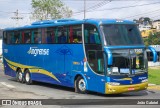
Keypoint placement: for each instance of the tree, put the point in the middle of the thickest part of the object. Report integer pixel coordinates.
(147, 21)
(49, 9)
(152, 39)
(144, 20)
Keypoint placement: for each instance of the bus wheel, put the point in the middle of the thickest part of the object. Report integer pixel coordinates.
(19, 76)
(80, 85)
(27, 77)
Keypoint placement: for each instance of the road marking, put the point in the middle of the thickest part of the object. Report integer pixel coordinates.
(7, 85)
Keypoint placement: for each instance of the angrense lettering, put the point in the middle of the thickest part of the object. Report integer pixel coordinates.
(36, 52)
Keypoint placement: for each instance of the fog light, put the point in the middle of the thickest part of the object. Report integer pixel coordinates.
(145, 80)
(113, 83)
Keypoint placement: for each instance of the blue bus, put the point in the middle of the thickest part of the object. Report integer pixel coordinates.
(101, 55)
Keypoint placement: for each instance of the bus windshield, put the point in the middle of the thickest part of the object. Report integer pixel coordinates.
(128, 61)
(121, 34)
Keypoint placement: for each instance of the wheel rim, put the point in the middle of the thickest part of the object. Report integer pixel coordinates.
(20, 76)
(27, 77)
(82, 85)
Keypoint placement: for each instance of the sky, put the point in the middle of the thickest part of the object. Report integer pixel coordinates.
(117, 9)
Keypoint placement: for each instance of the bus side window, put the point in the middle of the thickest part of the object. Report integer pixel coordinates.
(12, 38)
(62, 35)
(27, 36)
(91, 34)
(17, 37)
(9, 37)
(36, 36)
(5, 37)
(96, 61)
(97, 37)
(50, 35)
(77, 34)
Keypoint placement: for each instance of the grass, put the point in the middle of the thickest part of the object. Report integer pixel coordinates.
(154, 75)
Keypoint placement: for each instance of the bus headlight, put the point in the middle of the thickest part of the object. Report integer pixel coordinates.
(113, 83)
(109, 70)
(145, 80)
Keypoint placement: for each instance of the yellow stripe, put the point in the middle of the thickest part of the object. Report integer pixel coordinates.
(124, 79)
(32, 69)
(17, 64)
(12, 67)
(42, 71)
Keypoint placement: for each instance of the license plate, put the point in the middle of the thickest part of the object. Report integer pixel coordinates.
(131, 88)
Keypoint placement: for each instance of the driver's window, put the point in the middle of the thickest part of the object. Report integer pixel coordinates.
(91, 34)
(96, 61)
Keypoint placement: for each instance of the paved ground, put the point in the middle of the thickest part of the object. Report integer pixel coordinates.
(10, 89)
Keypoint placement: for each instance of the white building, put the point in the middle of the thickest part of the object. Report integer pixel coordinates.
(156, 24)
(144, 27)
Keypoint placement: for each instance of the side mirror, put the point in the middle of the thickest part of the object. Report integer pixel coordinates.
(155, 56)
(109, 55)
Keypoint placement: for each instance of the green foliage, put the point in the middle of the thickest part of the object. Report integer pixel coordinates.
(152, 39)
(145, 41)
(154, 76)
(49, 9)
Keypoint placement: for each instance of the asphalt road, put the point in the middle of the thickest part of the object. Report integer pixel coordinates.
(10, 89)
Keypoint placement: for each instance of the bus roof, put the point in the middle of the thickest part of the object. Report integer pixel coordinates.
(61, 22)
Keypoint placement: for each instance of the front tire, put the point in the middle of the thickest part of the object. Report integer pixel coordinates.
(27, 77)
(81, 85)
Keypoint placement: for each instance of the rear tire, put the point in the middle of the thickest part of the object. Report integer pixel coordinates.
(19, 76)
(80, 85)
(27, 77)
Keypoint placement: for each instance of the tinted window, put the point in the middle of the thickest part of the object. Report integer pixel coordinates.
(9, 36)
(50, 35)
(17, 38)
(62, 35)
(27, 36)
(96, 61)
(75, 34)
(4, 37)
(91, 34)
(57, 35)
(36, 36)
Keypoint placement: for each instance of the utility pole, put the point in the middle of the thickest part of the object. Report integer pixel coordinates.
(84, 9)
(16, 17)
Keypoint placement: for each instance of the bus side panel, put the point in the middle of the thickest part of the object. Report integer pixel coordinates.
(69, 58)
(7, 69)
(8, 54)
(59, 66)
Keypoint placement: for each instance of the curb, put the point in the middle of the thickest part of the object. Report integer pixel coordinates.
(151, 84)
(153, 87)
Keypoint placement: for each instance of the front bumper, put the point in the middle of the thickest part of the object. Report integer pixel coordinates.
(111, 89)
